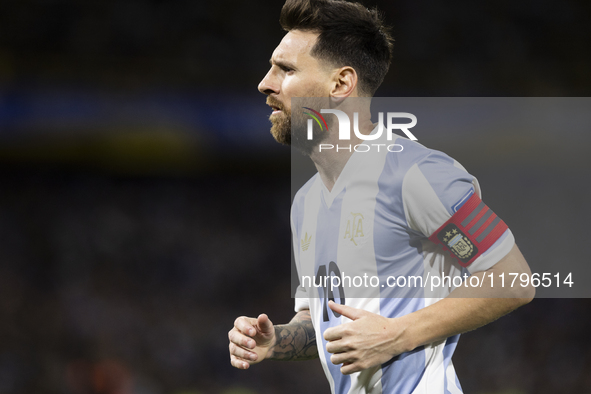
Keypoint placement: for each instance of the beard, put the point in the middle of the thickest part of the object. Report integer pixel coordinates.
(281, 126)
(291, 129)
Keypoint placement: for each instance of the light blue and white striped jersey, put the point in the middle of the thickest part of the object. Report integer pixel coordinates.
(375, 224)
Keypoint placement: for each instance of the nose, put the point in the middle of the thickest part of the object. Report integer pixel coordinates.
(269, 84)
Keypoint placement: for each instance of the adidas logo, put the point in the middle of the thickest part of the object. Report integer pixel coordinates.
(306, 242)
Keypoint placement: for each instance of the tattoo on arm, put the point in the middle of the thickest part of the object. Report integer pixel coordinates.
(296, 340)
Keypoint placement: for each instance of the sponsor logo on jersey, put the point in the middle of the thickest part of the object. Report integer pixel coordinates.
(354, 228)
(306, 242)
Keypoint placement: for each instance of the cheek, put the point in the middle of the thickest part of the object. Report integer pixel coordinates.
(316, 87)
(290, 86)
(296, 87)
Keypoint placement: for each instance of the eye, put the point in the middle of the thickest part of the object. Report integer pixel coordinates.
(287, 69)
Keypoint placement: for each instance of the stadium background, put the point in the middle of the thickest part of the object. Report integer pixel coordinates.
(144, 205)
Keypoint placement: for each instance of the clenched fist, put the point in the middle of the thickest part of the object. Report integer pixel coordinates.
(250, 340)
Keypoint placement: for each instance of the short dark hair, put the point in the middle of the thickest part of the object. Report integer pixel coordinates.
(348, 35)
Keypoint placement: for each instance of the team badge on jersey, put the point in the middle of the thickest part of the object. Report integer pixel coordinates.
(470, 231)
(354, 228)
(457, 242)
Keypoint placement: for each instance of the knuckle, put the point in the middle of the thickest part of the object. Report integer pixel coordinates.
(236, 363)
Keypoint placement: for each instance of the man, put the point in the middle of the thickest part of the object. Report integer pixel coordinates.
(389, 214)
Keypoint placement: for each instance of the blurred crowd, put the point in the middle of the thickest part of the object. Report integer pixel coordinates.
(457, 47)
(113, 284)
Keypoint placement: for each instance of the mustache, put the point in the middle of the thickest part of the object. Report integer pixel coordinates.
(275, 103)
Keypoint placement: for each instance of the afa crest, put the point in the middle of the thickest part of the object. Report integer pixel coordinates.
(354, 229)
(458, 243)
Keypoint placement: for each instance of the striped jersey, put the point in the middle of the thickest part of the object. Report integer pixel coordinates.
(392, 218)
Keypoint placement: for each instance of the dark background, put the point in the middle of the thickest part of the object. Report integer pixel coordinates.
(144, 205)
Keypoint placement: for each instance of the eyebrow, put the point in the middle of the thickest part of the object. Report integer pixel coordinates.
(283, 64)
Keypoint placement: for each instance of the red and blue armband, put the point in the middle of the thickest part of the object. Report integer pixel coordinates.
(470, 231)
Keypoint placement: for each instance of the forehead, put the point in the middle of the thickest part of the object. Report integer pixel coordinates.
(295, 47)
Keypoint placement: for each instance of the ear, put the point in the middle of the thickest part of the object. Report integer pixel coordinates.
(344, 84)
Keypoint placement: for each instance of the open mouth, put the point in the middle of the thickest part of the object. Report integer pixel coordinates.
(275, 108)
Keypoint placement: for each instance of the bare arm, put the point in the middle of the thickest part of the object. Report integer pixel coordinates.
(296, 340)
(253, 340)
(467, 308)
(371, 339)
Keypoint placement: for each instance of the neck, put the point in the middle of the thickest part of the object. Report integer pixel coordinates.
(330, 162)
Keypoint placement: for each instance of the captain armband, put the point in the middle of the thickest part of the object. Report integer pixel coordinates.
(470, 231)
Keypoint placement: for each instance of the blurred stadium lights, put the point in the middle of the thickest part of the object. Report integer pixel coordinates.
(154, 132)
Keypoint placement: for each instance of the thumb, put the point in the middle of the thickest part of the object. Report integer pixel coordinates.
(347, 311)
(265, 325)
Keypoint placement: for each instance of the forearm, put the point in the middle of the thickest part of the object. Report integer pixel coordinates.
(468, 308)
(296, 340)
(452, 316)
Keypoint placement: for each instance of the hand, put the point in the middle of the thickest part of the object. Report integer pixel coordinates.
(367, 341)
(250, 340)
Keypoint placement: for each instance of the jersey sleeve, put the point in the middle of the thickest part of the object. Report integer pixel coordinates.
(442, 201)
